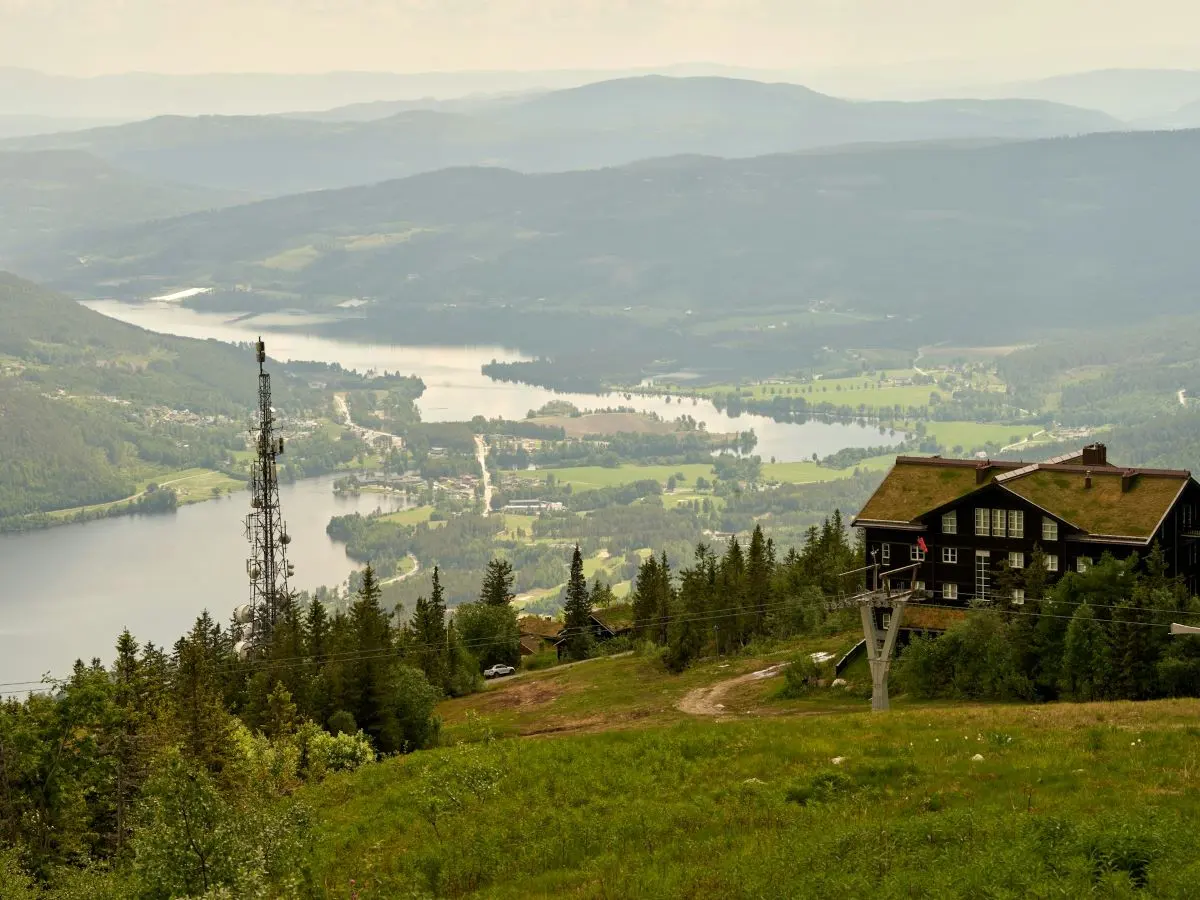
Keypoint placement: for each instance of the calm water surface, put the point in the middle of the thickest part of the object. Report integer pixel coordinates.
(67, 592)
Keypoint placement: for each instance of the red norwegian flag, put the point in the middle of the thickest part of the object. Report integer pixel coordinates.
(921, 545)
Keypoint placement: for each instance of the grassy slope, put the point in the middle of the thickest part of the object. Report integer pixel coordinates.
(625, 796)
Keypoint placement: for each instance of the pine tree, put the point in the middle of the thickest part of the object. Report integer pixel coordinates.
(428, 634)
(737, 618)
(316, 631)
(577, 613)
(689, 629)
(497, 583)
(203, 721)
(371, 639)
(1085, 655)
(644, 599)
(760, 569)
(281, 712)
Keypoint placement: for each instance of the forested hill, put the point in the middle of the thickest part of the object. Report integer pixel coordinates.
(913, 239)
(47, 193)
(89, 407)
(53, 343)
(603, 124)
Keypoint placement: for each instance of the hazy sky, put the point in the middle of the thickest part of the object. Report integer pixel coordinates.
(994, 37)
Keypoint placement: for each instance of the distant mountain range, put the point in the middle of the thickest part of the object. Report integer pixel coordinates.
(1132, 95)
(602, 124)
(982, 243)
(46, 194)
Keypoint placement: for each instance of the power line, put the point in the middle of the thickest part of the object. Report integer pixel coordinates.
(725, 613)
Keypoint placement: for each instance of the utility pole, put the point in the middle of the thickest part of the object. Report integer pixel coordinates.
(879, 649)
(267, 566)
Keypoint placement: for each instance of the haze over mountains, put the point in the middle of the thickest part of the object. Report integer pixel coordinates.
(602, 124)
(1073, 230)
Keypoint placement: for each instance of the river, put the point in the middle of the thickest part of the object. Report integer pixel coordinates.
(68, 591)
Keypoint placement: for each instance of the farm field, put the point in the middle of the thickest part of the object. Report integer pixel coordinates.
(413, 516)
(190, 486)
(623, 792)
(593, 477)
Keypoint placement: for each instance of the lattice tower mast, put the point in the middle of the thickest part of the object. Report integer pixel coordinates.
(265, 530)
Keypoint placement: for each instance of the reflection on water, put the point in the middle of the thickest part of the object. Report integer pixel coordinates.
(69, 591)
(456, 389)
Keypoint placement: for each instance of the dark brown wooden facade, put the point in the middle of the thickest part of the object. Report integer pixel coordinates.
(974, 516)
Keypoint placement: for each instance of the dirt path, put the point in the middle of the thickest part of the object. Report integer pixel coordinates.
(396, 579)
(706, 701)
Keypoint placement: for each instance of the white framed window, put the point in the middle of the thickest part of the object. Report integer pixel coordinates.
(950, 523)
(950, 591)
(983, 522)
(918, 586)
(1083, 564)
(1018, 596)
(887, 621)
(950, 555)
(915, 554)
(1049, 529)
(999, 523)
(1016, 560)
(1016, 523)
(1051, 562)
(885, 552)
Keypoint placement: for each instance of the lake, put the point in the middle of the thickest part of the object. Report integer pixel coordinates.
(69, 591)
(456, 389)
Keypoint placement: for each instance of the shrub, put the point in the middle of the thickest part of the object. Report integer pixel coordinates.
(800, 677)
(543, 660)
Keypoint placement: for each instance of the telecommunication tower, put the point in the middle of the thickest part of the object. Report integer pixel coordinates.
(265, 530)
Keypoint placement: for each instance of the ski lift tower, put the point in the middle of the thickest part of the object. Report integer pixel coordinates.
(267, 566)
(880, 646)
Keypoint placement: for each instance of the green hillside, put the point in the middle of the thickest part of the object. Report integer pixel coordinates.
(45, 194)
(718, 262)
(608, 123)
(94, 409)
(1060, 802)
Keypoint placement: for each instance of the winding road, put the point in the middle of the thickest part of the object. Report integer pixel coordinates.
(481, 451)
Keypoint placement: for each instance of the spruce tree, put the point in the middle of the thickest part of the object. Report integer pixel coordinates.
(1085, 655)
(577, 613)
(760, 570)
(428, 634)
(497, 583)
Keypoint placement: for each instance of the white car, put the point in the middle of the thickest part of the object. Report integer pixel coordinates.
(498, 671)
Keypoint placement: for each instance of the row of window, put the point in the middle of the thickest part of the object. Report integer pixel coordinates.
(950, 592)
(1000, 523)
(1016, 559)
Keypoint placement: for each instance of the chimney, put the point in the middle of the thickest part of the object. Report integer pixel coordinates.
(982, 470)
(1127, 480)
(1095, 455)
(1087, 480)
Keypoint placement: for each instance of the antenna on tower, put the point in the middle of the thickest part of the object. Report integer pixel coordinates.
(267, 566)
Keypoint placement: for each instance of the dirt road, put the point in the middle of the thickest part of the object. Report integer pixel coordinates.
(481, 450)
(706, 701)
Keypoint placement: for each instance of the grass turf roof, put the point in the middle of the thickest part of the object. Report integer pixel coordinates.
(1103, 508)
(912, 489)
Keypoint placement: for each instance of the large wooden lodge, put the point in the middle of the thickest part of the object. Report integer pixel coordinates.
(974, 515)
